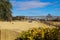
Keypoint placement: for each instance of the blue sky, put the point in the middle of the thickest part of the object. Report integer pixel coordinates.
(35, 7)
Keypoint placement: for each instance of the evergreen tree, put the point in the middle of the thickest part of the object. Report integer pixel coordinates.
(5, 10)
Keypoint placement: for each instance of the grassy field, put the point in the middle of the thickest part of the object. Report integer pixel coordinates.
(10, 30)
(54, 23)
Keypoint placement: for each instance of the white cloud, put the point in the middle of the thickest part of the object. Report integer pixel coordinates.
(29, 4)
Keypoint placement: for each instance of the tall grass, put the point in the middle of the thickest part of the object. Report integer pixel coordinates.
(39, 34)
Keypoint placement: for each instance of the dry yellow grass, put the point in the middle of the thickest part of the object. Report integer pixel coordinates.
(10, 30)
(18, 25)
(54, 23)
(21, 25)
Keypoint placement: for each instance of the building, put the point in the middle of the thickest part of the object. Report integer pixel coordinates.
(41, 18)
